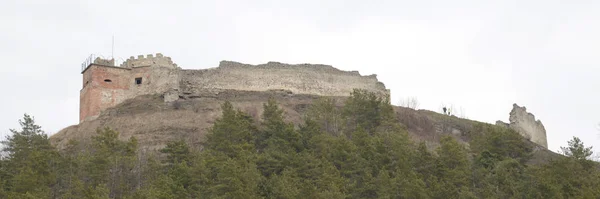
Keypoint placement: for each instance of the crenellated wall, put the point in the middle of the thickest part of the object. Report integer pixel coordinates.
(159, 75)
(105, 86)
(149, 60)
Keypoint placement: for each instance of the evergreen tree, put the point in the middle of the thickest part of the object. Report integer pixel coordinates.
(453, 169)
(227, 167)
(577, 150)
(493, 143)
(363, 110)
(28, 169)
(325, 114)
(177, 152)
(223, 177)
(275, 132)
(111, 163)
(371, 157)
(233, 133)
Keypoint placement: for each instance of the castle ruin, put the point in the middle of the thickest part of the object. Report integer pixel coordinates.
(525, 124)
(106, 85)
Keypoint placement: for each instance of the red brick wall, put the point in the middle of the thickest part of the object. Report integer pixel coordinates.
(97, 94)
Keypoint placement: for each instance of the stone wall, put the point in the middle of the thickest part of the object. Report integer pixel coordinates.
(149, 60)
(106, 86)
(299, 79)
(526, 124)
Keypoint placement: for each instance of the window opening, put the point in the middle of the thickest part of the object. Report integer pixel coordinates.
(107, 80)
(138, 80)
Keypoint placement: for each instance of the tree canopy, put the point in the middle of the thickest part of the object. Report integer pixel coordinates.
(354, 150)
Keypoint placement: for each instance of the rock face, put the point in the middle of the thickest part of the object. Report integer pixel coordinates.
(526, 124)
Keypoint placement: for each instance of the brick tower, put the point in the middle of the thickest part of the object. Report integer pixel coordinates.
(106, 85)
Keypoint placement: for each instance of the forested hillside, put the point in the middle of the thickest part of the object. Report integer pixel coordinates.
(356, 151)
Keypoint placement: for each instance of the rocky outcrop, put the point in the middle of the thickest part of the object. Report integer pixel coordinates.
(526, 124)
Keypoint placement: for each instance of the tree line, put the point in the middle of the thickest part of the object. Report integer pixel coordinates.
(355, 151)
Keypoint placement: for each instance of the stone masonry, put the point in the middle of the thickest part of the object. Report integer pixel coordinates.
(106, 85)
(526, 124)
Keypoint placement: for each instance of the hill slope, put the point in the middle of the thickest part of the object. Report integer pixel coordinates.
(154, 122)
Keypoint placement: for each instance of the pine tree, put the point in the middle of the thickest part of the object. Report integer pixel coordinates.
(453, 169)
(275, 133)
(325, 114)
(494, 143)
(177, 152)
(232, 134)
(227, 167)
(577, 150)
(28, 170)
(362, 110)
(111, 163)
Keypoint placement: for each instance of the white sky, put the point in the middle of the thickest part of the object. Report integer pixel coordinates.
(479, 56)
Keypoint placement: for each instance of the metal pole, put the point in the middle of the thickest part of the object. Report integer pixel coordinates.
(113, 47)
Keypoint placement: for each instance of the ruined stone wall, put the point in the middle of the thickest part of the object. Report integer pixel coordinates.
(158, 60)
(299, 79)
(106, 86)
(155, 80)
(159, 75)
(526, 124)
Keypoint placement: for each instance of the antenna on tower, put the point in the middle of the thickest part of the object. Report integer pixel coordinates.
(113, 47)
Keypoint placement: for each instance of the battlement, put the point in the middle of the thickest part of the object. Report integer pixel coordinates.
(106, 85)
(149, 60)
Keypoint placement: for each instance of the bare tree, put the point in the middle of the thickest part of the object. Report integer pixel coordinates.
(460, 112)
(409, 102)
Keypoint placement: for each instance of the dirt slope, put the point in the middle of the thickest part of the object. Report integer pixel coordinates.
(154, 122)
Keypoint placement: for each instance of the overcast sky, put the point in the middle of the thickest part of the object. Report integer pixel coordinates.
(480, 56)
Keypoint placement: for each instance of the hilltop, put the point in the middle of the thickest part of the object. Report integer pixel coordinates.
(234, 144)
(154, 122)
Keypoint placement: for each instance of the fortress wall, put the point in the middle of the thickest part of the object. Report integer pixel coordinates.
(155, 80)
(525, 124)
(149, 60)
(299, 79)
(98, 94)
(103, 87)
(106, 86)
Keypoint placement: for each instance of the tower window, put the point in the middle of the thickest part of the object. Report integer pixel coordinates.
(107, 80)
(138, 80)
